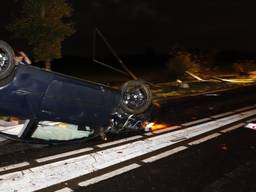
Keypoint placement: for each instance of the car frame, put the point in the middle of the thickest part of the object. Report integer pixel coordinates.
(35, 94)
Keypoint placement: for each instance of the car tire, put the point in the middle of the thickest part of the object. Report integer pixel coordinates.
(136, 97)
(7, 60)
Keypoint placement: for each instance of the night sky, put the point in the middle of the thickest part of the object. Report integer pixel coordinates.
(134, 27)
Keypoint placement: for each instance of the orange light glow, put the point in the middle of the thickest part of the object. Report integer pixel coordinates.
(157, 126)
(153, 126)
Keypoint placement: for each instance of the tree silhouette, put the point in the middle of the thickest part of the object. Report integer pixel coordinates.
(41, 24)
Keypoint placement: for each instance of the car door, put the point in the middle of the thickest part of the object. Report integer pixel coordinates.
(75, 102)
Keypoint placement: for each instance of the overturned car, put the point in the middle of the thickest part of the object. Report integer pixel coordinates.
(37, 95)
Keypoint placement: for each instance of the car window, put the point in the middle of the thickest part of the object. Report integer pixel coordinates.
(59, 131)
(45, 130)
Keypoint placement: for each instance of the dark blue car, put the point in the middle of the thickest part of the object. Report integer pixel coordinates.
(38, 95)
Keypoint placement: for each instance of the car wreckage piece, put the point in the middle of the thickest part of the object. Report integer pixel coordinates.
(29, 92)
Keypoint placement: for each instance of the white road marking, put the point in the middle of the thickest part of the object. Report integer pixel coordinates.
(164, 154)
(251, 120)
(119, 141)
(232, 128)
(66, 154)
(109, 175)
(149, 134)
(195, 122)
(244, 108)
(2, 139)
(66, 189)
(209, 126)
(198, 141)
(223, 114)
(166, 129)
(14, 166)
(34, 178)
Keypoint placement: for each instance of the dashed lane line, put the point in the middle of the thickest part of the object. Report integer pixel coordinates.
(201, 140)
(109, 175)
(164, 154)
(232, 128)
(14, 166)
(223, 114)
(66, 154)
(57, 172)
(251, 120)
(245, 108)
(119, 141)
(32, 179)
(2, 139)
(66, 189)
(196, 122)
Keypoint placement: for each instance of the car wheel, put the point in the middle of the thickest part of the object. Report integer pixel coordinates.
(7, 62)
(136, 97)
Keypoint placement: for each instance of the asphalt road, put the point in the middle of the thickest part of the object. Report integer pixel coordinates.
(225, 163)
